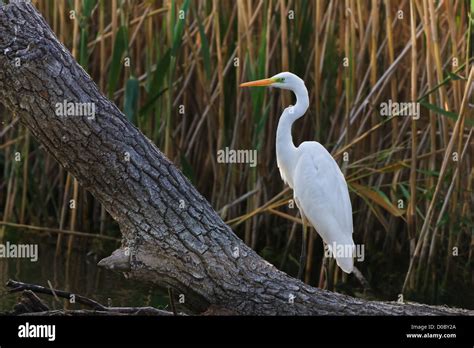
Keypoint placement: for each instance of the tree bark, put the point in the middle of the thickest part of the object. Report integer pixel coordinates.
(172, 237)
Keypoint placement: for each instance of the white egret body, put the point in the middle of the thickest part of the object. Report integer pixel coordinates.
(319, 188)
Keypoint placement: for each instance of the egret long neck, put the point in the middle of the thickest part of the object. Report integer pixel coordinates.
(285, 149)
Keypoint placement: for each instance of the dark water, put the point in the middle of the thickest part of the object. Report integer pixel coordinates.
(80, 275)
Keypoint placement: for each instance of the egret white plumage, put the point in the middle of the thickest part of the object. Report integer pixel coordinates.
(319, 187)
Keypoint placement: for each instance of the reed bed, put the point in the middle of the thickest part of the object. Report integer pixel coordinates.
(174, 66)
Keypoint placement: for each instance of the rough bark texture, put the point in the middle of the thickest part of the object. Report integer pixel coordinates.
(171, 235)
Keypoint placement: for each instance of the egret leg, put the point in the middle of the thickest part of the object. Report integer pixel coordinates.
(323, 278)
(304, 240)
(326, 270)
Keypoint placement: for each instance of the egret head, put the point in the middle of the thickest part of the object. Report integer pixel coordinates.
(283, 80)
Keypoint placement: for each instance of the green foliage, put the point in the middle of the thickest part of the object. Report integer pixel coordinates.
(205, 50)
(452, 115)
(132, 95)
(120, 49)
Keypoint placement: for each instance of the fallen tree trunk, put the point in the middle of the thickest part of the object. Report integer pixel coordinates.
(171, 235)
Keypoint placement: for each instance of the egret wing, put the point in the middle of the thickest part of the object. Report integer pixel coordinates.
(322, 195)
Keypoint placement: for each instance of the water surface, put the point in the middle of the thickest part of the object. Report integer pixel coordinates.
(80, 275)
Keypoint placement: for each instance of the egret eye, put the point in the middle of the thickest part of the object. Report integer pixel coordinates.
(280, 80)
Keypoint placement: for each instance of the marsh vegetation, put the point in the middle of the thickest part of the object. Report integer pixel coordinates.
(174, 68)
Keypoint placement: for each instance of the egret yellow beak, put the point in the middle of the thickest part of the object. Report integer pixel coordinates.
(258, 83)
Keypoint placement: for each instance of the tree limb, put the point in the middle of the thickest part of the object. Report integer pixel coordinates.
(30, 304)
(20, 286)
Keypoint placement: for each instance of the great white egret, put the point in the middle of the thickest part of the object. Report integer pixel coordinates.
(319, 188)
